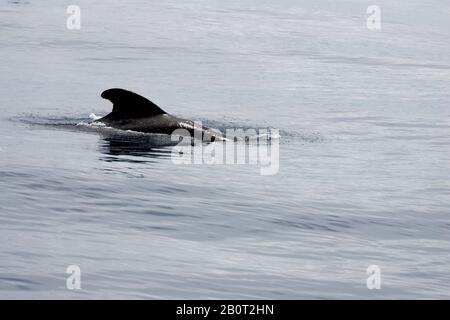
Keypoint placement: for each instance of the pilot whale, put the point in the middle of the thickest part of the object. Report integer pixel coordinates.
(134, 112)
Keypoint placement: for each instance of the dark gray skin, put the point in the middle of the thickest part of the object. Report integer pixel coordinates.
(134, 112)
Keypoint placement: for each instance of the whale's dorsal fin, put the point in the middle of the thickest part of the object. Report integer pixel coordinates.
(127, 104)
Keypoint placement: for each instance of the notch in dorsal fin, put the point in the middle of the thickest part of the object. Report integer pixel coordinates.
(127, 104)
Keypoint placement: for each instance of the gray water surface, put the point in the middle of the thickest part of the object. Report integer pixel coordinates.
(364, 176)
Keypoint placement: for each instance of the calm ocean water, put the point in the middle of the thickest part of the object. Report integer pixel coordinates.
(364, 167)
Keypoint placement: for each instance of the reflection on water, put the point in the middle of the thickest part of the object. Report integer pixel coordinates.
(142, 151)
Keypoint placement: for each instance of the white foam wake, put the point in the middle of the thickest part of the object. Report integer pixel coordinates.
(94, 117)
